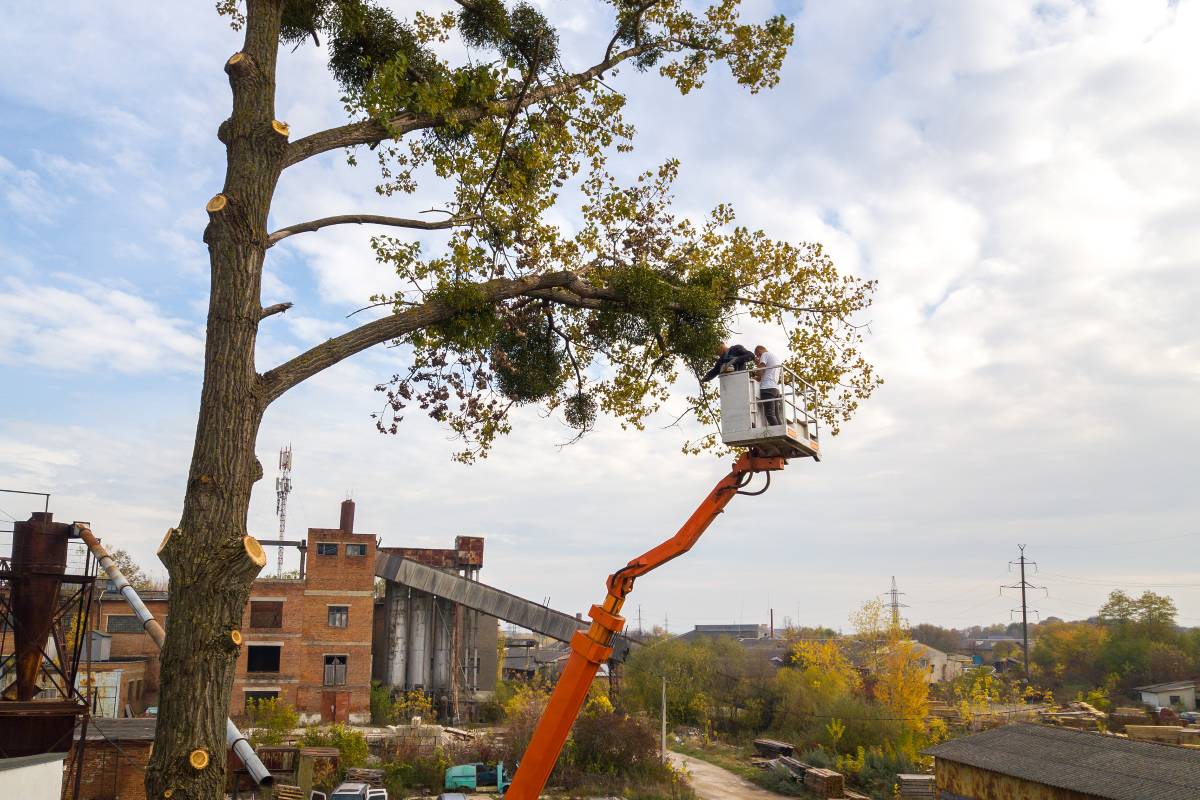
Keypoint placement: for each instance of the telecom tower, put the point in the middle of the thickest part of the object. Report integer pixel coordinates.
(283, 485)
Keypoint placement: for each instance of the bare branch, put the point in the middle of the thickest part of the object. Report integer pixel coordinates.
(278, 308)
(304, 366)
(359, 219)
(373, 131)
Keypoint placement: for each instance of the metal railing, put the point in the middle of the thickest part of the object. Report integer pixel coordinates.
(797, 403)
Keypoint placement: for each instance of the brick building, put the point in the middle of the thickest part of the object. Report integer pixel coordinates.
(114, 759)
(308, 640)
(126, 643)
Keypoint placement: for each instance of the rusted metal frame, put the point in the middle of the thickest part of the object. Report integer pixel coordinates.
(57, 634)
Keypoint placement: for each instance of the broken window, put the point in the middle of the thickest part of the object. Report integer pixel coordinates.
(266, 613)
(335, 670)
(258, 696)
(356, 550)
(339, 616)
(262, 658)
(124, 623)
(327, 548)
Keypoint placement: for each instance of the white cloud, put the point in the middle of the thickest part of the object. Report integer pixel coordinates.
(79, 325)
(1020, 177)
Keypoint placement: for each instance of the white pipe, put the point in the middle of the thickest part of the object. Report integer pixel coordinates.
(233, 736)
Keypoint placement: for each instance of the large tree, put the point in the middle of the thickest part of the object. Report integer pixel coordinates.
(512, 310)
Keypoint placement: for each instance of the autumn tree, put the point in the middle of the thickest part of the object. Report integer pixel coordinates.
(512, 309)
(132, 572)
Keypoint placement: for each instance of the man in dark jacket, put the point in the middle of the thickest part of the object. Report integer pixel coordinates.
(737, 356)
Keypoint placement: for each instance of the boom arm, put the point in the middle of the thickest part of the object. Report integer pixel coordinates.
(589, 650)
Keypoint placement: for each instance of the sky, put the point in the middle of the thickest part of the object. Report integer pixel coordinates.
(1021, 178)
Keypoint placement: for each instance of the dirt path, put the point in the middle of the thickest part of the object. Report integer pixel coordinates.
(714, 783)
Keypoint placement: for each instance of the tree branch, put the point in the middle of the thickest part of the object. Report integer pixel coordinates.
(304, 366)
(373, 131)
(359, 219)
(278, 308)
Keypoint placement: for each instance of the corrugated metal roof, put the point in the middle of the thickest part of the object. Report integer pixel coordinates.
(1166, 687)
(1091, 763)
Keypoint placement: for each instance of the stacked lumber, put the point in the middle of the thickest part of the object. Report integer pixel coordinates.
(285, 791)
(1123, 716)
(852, 795)
(825, 782)
(916, 787)
(769, 748)
(1167, 734)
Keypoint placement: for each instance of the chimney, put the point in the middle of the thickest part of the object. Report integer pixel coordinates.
(347, 523)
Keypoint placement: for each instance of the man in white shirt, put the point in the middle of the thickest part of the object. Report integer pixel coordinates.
(768, 385)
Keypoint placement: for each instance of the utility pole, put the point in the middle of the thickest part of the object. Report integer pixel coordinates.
(283, 485)
(639, 620)
(894, 603)
(1023, 586)
(664, 719)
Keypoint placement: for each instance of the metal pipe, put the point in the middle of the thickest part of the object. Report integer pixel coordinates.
(233, 736)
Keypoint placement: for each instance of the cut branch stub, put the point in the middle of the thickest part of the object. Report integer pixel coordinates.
(163, 544)
(217, 204)
(239, 65)
(236, 637)
(198, 758)
(280, 127)
(254, 551)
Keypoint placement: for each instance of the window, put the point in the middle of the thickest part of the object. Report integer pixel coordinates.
(1176, 700)
(335, 670)
(123, 623)
(259, 696)
(262, 658)
(356, 550)
(266, 613)
(339, 616)
(327, 548)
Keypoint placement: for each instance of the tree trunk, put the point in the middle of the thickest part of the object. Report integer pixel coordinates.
(209, 558)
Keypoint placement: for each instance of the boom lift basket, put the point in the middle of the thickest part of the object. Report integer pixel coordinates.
(744, 422)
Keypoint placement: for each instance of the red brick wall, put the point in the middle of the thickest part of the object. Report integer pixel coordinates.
(340, 580)
(109, 774)
(291, 592)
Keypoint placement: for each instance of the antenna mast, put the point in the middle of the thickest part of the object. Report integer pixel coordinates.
(283, 485)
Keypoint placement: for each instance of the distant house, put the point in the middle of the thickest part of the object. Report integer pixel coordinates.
(1179, 695)
(1050, 763)
(986, 646)
(941, 666)
(734, 631)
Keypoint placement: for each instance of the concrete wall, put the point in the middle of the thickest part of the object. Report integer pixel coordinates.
(32, 777)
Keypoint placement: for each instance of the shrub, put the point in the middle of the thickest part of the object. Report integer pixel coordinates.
(351, 744)
(612, 744)
(271, 720)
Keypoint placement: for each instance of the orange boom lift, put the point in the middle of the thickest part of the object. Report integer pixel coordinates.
(589, 650)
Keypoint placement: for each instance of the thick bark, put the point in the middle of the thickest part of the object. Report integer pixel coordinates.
(206, 558)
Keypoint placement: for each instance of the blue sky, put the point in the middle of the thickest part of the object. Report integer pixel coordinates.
(1020, 177)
